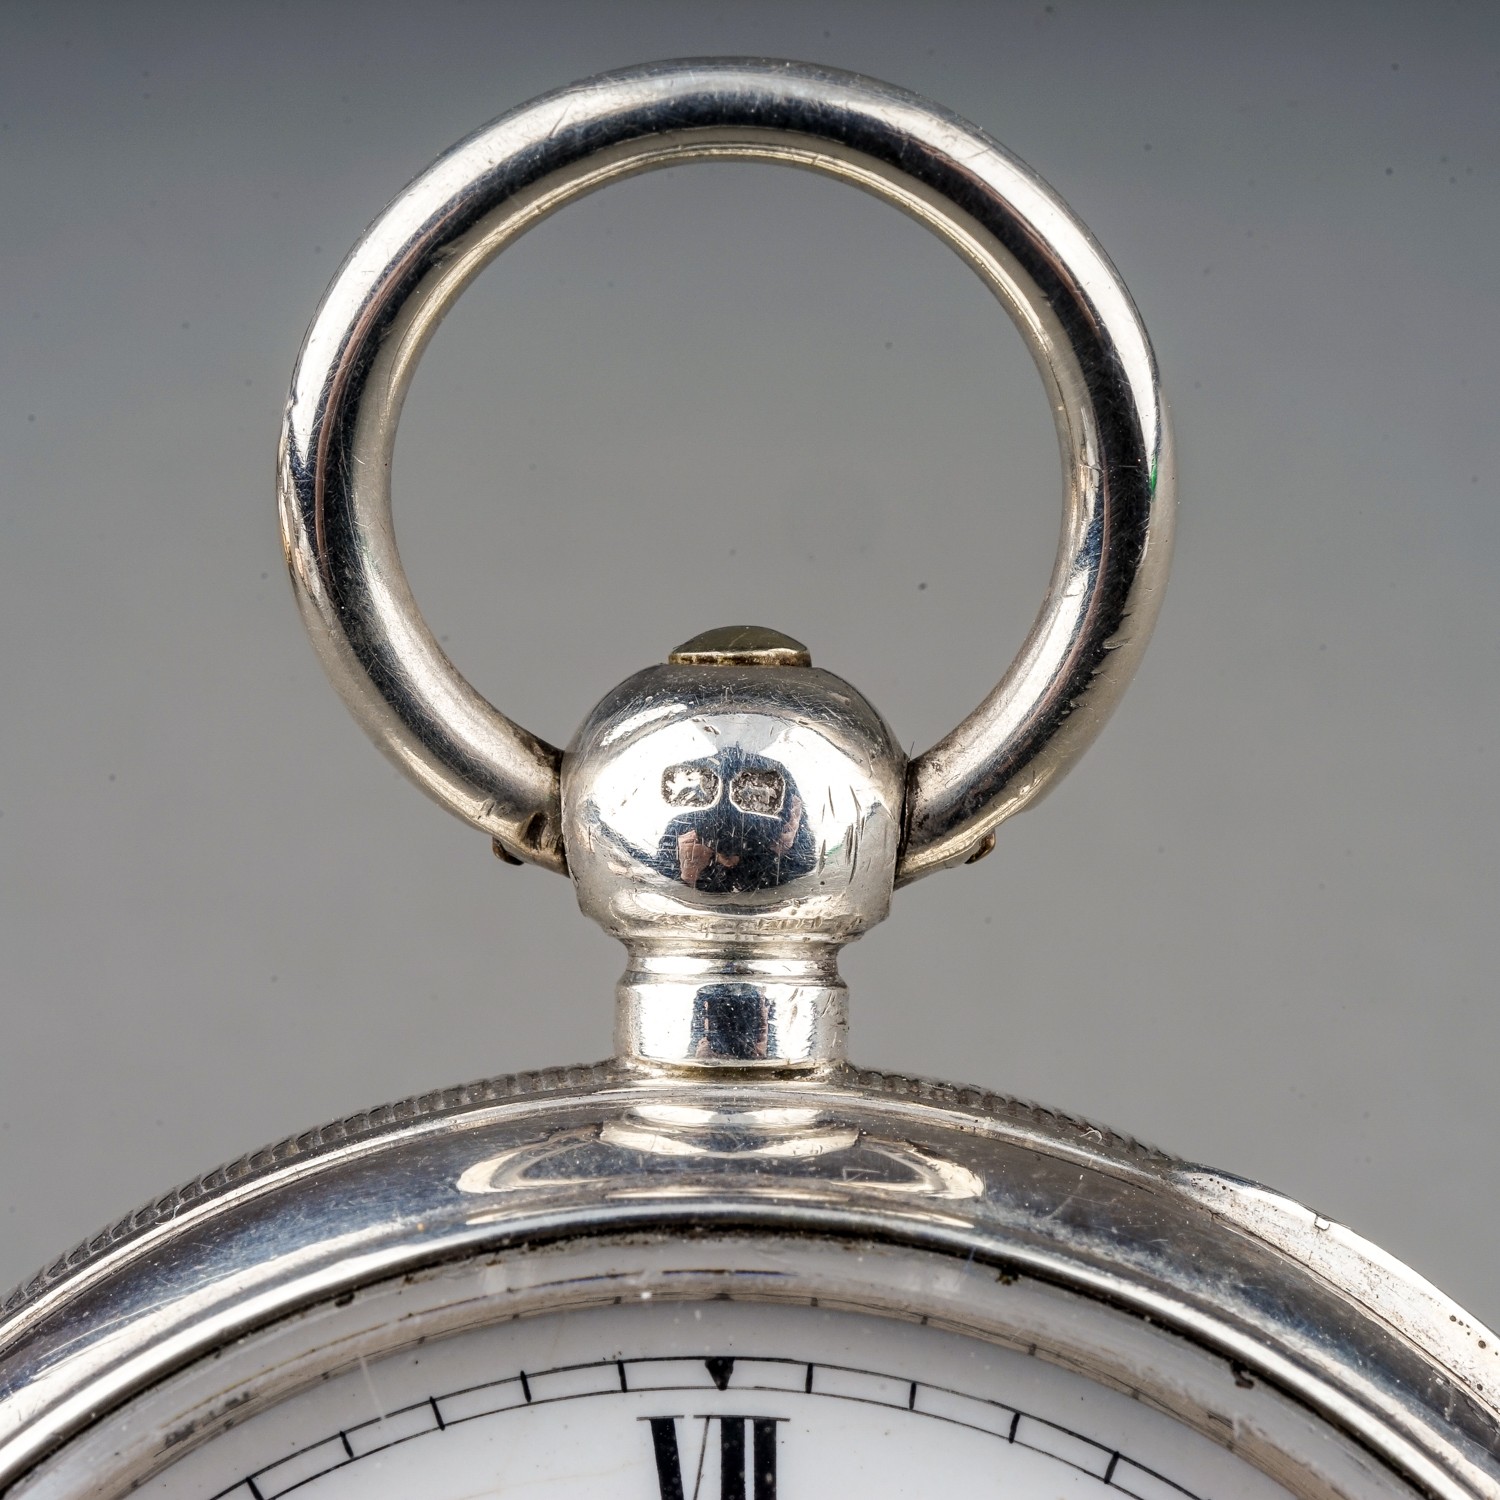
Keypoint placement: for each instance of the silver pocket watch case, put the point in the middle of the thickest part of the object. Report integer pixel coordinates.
(734, 816)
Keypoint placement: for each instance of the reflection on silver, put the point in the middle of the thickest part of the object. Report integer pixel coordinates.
(1022, 241)
(693, 1130)
(808, 1157)
(734, 826)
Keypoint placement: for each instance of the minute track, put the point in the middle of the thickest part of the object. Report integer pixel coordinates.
(438, 1414)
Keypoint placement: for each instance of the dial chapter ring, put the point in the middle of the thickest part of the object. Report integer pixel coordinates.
(403, 276)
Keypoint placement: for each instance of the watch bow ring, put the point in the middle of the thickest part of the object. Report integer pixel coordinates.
(1017, 235)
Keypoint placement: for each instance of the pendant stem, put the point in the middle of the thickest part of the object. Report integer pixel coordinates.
(751, 1013)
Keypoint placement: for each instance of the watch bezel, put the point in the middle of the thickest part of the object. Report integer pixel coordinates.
(571, 1157)
(968, 1297)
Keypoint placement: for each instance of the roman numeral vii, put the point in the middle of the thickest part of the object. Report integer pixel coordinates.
(733, 1445)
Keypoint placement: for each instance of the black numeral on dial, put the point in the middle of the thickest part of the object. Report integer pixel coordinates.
(733, 1446)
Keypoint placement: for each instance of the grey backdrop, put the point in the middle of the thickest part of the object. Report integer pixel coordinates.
(1255, 927)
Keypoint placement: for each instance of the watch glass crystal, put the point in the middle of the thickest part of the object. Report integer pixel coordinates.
(705, 1401)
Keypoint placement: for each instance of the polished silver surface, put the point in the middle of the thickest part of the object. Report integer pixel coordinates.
(1231, 1307)
(1041, 263)
(734, 826)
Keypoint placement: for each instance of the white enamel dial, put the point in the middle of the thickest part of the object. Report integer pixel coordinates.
(719, 1401)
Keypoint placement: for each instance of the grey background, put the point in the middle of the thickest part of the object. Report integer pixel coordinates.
(1255, 926)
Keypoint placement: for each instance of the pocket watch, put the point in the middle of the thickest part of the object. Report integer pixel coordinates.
(727, 1264)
